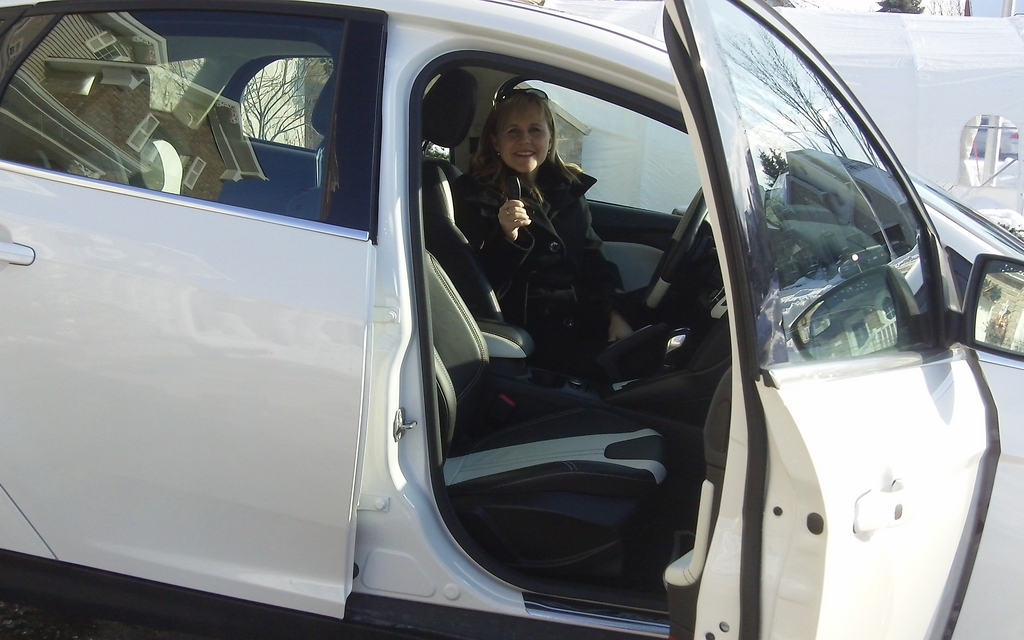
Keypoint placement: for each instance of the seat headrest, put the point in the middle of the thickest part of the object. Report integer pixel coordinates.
(449, 107)
(320, 118)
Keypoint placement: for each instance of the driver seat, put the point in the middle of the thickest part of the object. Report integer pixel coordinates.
(551, 495)
(448, 110)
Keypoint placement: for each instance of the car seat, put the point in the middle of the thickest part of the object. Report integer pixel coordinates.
(448, 110)
(551, 495)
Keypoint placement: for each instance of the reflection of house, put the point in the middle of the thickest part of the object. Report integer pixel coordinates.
(83, 103)
(98, 36)
(1000, 316)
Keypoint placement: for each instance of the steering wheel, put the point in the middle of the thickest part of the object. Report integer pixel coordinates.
(685, 249)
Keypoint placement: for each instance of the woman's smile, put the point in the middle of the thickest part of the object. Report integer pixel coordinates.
(524, 140)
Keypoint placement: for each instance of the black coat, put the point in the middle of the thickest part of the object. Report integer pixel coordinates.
(556, 272)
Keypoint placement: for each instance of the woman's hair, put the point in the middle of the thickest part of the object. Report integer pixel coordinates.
(487, 166)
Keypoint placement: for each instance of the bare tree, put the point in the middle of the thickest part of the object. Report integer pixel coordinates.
(807, 105)
(944, 7)
(277, 102)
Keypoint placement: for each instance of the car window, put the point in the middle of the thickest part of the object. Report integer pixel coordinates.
(638, 161)
(988, 152)
(278, 103)
(221, 107)
(840, 276)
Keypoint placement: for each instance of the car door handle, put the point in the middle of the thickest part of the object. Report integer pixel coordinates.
(881, 509)
(16, 253)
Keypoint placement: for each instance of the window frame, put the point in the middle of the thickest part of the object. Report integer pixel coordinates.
(364, 41)
(647, 107)
(747, 235)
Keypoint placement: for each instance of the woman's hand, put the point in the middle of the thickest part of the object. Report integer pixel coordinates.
(618, 328)
(511, 216)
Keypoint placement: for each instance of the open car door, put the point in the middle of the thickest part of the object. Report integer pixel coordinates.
(861, 441)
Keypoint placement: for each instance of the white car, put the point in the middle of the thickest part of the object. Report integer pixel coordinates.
(253, 382)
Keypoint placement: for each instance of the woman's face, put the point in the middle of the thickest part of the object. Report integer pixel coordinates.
(523, 140)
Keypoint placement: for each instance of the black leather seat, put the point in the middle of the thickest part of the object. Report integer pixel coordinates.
(552, 495)
(448, 110)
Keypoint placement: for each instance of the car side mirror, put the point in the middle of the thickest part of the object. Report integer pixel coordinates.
(869, 312)
(994, 305)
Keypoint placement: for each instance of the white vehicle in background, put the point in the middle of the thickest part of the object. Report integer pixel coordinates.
(255, 384)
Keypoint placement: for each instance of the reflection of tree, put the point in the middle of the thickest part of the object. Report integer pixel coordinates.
(277, 102)
(946, 7)
(900, 6)
(811, 107)
(773, 164)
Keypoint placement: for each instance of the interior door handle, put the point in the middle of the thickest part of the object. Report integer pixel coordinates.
(16, 253)
(881, 509)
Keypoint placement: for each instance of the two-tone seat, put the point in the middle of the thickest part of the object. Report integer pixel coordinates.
(553, 494)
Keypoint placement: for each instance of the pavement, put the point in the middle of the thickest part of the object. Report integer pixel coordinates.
(20, 622)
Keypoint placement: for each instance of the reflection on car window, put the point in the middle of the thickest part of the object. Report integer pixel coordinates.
(831, 208)
(277, 104)
(179, 102)
(639, 162)
(988, 153)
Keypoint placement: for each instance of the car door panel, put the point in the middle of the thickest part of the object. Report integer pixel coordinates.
(16, 532)
(634, 239)
(866, 426)
(183, 391)
(992, 601)
(620, 223)
(830, 463)
(189, 385)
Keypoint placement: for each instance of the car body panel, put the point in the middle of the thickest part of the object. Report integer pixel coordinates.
(16, 531)
(991, 599)
(930, 455)
(136, 343)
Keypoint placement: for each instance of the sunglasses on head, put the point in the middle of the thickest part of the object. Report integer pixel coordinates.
(504, 94)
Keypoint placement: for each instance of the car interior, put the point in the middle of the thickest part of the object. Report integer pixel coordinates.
(567, 486)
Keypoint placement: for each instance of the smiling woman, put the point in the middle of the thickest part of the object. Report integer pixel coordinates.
(536, 243)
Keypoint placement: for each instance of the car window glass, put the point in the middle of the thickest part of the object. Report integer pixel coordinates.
(277, 103)
(828, 207)
(988, 153)
(638, 161)
(215, 106)
(18, 39)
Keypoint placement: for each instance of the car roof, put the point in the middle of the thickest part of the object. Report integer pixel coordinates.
(620, 57)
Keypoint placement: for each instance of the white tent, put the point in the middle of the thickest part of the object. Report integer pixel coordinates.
(930, 83)
(924, 79)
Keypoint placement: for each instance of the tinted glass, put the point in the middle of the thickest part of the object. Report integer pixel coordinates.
(826, 207)
(638, 161)
(222, 107)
